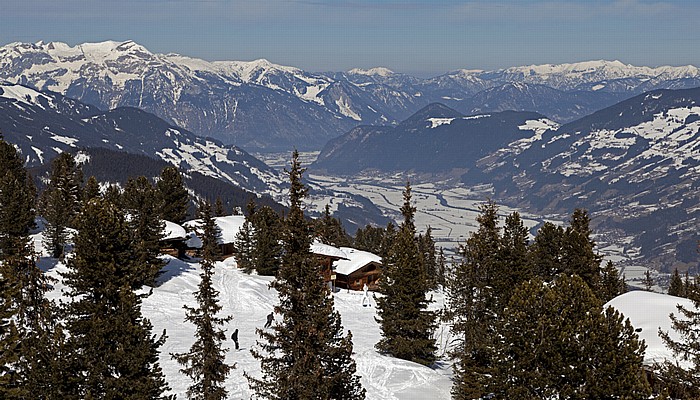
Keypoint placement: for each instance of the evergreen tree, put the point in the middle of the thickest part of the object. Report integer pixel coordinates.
(113, 195)
(91, 189)
(547, 329)
(513, 266)
(205, 362)
(36, 370)
(219, 207)
(330, 231)
(407, 326)
(61, 202)
(611, 283)
(426, 246)
(472, 306)
(173, 197)
(267, 250)
(648, 281)
(676, 287)
(245, 242)
(546, 252)
(369, 238)
(684, 380)
(578, 255)
(139, 201)
(441, 264)
(17, 195)
(306, 355)
(112, 353)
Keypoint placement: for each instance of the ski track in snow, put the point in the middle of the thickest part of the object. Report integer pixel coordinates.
(248, 298)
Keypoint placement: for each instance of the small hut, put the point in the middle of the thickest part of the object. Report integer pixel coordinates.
(360, 268)
(174, 241)
(326, 256)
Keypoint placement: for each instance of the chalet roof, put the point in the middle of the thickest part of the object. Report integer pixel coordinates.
(229, 226)
(173, 231)
(322, 249)
(356, 260)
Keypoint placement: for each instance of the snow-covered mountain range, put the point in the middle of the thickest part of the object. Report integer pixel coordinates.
(44, 124)
(435, 139)
(261, 105)
(635, 165)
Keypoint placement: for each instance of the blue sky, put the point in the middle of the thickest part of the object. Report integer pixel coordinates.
(419, 37)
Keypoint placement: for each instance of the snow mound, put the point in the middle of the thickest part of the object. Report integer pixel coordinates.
(648, 312)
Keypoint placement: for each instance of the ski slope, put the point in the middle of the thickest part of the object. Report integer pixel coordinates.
(249, 299)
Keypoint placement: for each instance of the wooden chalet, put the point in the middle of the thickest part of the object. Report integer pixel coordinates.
(326, 255)
(174, 241)
(360, 268)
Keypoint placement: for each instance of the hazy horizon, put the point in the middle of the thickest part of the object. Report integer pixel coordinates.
(419, 37)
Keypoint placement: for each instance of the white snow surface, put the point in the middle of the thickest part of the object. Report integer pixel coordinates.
(435, 122)
(650, 312)
(323, 249)
(249, 298)
(23, 95)
(356, 259)
(172, 230)
(229, 226)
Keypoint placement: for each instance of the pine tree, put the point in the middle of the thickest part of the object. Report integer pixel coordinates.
(611, 283)
(25, 313)
(684, 380)
(406, 324)
(113, 195)
(91, 189)
(61, 202)
(245, 242)
(111, 350)
(472, 306)
(306, 355)
(173, 197)
(441, 264)
(17, 196)
(548, 328)
(426, 246)
(578, 250)
(219, 207)
(513, 266)
(676, 287)
(267, 250)
(205, 362)
(546, 252)
(370, 239)
(330, 231)
(648, 281)
(139, 201)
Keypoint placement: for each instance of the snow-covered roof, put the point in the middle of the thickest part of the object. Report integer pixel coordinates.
(356, 260)
(648, 312)
(322, 249)
(229, 226)
(173, 231)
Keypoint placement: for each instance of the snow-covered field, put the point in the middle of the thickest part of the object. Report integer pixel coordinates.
(249, 299)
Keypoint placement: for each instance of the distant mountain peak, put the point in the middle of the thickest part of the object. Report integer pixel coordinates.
(376, 71)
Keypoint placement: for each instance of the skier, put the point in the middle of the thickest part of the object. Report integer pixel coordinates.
(270, 318)
(365, 297)
(234, 337)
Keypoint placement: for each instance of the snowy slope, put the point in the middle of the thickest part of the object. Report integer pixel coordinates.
(648, 312)
(249, 299)
(44, 124)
